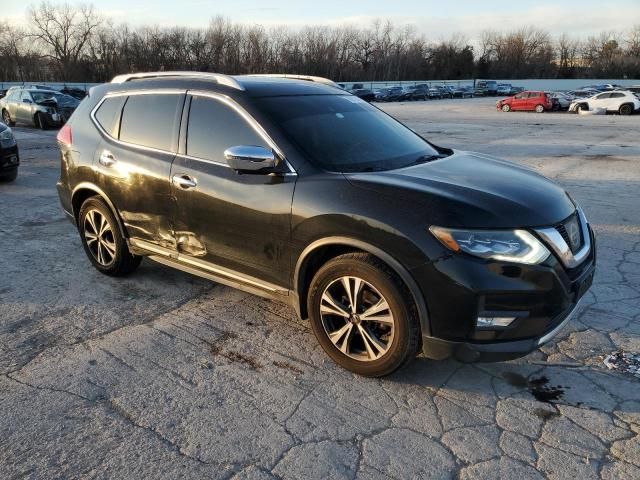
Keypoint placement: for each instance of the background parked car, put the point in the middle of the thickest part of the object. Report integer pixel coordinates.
(504, 89)
(526, 101)
(42, 108)
(74, 92)
(561, 100)
(622, 102)
(9, 158)
(486, 87)
(364, 94)
(419, 92)
(463, 92)
(584, 93)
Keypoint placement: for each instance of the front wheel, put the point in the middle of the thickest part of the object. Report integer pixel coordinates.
(9, 177)
(506, 108)
(40, 121)
(6, 118)
(539, 108)
(363, 316)
(102, 241)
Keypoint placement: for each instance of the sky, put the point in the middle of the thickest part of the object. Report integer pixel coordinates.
(435, 19)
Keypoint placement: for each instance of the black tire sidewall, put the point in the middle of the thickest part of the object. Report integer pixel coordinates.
(381, 280)
(9, 177)
(123, 259)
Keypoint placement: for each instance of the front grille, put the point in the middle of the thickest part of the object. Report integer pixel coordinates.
(571, 232)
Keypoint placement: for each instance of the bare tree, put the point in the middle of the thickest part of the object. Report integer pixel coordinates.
(65, 31)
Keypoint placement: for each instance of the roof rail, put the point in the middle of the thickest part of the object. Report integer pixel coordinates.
(308, 78)
(218, 77)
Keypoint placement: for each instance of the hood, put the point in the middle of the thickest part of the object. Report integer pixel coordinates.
(474, 191)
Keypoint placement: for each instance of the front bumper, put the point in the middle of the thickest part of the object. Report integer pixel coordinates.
(459, 289)
(439, 349)
(9, 159)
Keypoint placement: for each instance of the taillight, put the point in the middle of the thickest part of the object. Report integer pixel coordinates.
(64, 135)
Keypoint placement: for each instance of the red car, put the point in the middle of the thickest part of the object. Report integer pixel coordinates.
(527, 100)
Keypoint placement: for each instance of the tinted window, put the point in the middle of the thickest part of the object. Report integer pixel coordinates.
(214, 127)
(617, 95)
(346, 134)
(520, 96)
(109, 113)
(602, 96)
(150, 120)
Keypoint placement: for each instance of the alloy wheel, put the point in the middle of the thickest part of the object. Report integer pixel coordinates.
(98, 234)
(6, 118)
(357, 318)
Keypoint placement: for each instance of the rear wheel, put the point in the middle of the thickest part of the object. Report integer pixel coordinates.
(625, 109)
(102, 241)
(539, 108)
(363, 316)
(506, 108)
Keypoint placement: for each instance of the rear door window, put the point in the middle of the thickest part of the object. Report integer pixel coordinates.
(215, 126)
(151, 120)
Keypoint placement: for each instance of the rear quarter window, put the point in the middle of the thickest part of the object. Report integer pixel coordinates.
(108, 114)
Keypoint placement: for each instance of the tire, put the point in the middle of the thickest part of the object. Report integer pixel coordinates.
(582, 106)
(9, 177)
(6, 118)
(625, 109)
(40, 121)
(506, 108)
(539, 108)
(107, 251)
(372, 348)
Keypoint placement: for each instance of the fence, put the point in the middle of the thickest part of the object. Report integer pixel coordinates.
(534, 84)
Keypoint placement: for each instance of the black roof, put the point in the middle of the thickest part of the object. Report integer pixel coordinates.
(253, 86)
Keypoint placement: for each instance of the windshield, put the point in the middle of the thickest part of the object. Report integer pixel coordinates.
(345, 134)
(60, 98)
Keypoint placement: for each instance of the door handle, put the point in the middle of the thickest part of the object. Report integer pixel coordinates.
(107, 159)
(184, 181)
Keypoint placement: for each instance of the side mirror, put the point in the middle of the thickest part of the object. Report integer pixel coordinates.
(249, 158)
(26, 100)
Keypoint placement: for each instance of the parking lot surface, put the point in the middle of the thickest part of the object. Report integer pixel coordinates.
(165, 375)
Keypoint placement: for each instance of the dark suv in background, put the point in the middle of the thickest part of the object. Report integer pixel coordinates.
(296, 190)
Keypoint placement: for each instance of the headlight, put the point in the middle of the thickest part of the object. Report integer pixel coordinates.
(517, 246)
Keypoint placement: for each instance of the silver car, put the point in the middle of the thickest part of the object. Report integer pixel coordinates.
(41, 108)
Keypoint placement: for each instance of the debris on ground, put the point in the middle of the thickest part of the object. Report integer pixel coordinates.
(627, 362)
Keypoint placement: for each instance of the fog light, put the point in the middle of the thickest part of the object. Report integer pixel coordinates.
(491, 322)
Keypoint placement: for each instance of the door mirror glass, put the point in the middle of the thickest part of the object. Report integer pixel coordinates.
(249, 158)
(26, 100)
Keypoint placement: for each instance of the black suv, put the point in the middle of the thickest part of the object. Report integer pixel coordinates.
(299, 191)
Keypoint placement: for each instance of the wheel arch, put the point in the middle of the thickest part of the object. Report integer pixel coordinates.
(629, 104)
(86, 190)
(321, 251)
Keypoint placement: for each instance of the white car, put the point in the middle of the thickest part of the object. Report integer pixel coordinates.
(622, 102)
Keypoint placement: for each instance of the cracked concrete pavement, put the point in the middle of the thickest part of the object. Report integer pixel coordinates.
(164, 375)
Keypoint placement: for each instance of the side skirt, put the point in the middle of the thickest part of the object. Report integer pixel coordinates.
(210, 272)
